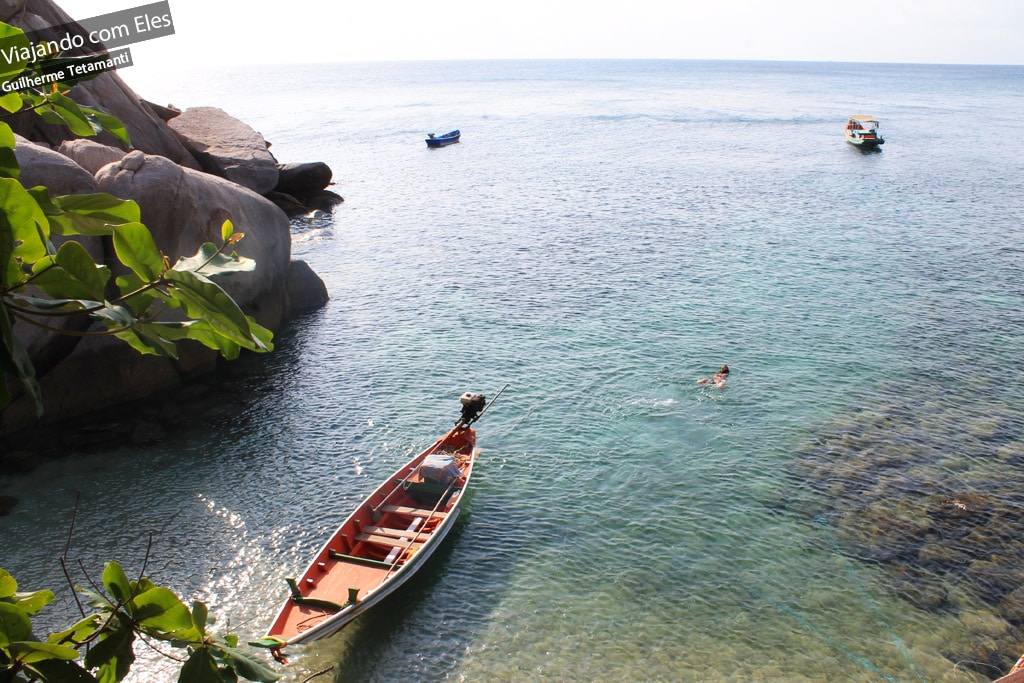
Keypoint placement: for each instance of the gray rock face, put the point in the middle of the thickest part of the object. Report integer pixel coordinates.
(184, 208)
(90, 155)
(227, 147)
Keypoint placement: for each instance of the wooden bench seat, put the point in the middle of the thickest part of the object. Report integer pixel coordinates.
(412, 512)
(395, 533)
(390, 542)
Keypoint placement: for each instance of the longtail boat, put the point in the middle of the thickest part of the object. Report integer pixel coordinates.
(862, 131)
(389, 536)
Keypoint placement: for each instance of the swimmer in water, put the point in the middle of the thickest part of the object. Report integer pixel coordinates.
(718, 379)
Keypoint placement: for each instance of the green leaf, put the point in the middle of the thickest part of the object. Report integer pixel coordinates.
(11, 39)
(136, 249)
(14, 624)
(8, 586)
(161, 612)
(204, 299)
(76, 277)
(111, 124)
(67, 111)
(45, 306)
(227, 228)
(116, 582)
(33, 651)
(11, 102)
(140, 338)
(200, 615)
(209, 263)
(61, 670)
(113, 654)
(14, 357)
(200, 668)
(95, 214)
(246, 664)
(31, 603)
(115, 317)
(25, 227)
(8, 160)
(80, 632)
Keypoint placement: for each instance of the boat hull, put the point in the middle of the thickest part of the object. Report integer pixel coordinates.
(865, 142)
(382, 544)
(444, 140)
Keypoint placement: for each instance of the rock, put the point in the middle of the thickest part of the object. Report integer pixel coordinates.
(994, 578)
(303, 180)
(100, 372)
(107, 92)
(164, 113)
(287, 203)
(184, 208)
(306, 290)
(8, 8)
(226, 147)
(18, 461)
(90, 155)
(42, 166)
(323, 201)
(7, 504)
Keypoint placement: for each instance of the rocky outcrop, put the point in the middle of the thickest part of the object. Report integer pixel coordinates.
(183, 205)
(107, 91)
(226, 147)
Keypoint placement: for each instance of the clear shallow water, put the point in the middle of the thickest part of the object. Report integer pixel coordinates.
(605, 233)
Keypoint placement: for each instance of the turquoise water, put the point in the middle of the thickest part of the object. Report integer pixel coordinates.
(605, 234)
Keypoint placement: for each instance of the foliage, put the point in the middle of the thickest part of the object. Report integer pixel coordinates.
(122, 611)
(40, 282)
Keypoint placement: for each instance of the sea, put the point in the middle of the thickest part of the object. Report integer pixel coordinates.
(846, 507)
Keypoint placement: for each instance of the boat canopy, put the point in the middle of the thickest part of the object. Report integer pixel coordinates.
(864, 119)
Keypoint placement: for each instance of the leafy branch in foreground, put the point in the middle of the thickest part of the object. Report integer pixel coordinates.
(122, 611)
(41, 284)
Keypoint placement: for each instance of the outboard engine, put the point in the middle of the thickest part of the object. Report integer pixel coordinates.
(472, 406)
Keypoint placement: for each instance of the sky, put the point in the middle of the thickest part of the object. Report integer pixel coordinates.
(303, 31)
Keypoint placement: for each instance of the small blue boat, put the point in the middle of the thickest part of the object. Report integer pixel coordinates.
(442, 140)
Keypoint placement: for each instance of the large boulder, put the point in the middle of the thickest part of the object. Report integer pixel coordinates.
(107, 92)
(227, 147)
(185, 208)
